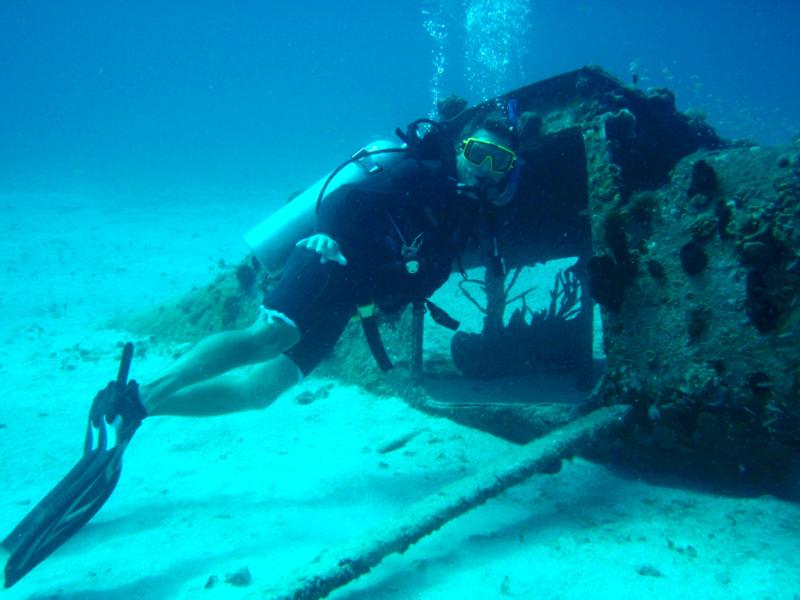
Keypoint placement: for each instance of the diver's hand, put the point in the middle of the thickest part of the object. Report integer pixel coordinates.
(325, 246)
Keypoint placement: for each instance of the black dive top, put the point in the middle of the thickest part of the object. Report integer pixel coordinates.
(413, 203)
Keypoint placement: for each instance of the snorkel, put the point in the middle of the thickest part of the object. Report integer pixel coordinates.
(513, 181)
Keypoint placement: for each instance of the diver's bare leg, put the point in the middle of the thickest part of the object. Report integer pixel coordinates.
(218, 353)
(257, 386)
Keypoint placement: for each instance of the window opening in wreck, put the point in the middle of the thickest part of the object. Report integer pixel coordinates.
(528, 346)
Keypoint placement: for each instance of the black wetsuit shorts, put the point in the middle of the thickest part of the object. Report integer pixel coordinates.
(320, 299)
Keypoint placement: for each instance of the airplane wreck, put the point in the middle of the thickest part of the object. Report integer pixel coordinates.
(688, 243)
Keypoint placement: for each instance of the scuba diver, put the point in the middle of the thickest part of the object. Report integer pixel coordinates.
(384, 240)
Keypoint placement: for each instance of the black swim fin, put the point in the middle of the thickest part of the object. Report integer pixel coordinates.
(115, 415)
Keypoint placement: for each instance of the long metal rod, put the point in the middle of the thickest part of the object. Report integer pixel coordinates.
(339, 566)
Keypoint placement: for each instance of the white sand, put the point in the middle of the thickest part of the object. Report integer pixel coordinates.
(269, 490)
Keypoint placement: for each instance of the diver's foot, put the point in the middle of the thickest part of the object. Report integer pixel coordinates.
(119, 404)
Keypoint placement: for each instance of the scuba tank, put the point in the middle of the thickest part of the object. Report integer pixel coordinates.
(273, 239)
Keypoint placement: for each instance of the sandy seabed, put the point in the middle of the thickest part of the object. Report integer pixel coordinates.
(202, 499)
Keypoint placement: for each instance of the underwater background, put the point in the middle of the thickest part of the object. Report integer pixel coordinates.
(250, 94)
(140, 140)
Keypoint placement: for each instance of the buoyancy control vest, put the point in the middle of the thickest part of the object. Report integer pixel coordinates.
(272, 240)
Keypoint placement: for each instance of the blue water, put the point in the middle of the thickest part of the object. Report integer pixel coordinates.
(140, 138)
(151, 95)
